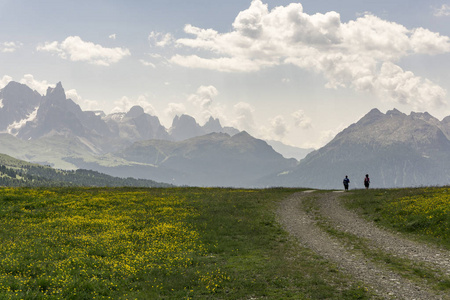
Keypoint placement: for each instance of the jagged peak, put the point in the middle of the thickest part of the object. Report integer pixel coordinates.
(57, 91)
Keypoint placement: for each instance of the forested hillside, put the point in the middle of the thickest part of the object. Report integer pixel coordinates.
(15, 172)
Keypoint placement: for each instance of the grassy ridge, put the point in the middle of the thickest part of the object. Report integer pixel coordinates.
(175, 243)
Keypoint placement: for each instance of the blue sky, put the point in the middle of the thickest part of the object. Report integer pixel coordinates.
(298, 72)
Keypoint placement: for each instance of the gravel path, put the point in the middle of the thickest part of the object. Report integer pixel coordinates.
(383, 282)
(387, 241)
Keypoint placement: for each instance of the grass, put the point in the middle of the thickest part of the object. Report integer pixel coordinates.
(422, 213)
(174, 243)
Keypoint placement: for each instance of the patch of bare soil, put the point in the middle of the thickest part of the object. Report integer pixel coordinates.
(382, 281)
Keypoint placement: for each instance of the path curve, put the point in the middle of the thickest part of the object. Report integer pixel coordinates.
(383, 282)
(390, 242)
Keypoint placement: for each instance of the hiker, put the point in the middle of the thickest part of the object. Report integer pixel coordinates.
(367, 181)
(346, 182)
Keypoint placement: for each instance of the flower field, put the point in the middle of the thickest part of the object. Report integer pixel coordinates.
(167, 243)
(427, 212)
(84, 243)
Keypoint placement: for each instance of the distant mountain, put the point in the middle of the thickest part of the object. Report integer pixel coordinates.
(27, 115)
(215, 159)
(395, 149)
(53, 130)
(186, 127)
(17, 103)
(53, 114)
(136, 125)
(290, 151)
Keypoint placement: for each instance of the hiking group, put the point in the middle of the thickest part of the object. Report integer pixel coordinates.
(347, 181)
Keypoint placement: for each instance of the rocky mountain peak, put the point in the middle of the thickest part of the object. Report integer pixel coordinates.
(135, 112)
(185, 127)
(394, 112)
(213, 125)
(56, 93)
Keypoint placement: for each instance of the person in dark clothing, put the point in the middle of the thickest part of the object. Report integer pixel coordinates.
(367, 181)
(346, 182)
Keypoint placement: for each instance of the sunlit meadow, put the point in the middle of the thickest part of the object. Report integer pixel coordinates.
(175, 243)
(92, 242)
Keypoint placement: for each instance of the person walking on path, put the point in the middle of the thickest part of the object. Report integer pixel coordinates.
(346, 182)
(367, 181)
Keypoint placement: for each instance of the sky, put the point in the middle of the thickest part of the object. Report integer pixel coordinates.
(296, 72)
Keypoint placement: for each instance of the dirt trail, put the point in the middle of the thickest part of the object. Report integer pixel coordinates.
(387, 241)
(385, 283)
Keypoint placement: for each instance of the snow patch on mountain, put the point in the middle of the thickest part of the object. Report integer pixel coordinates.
(14, 128)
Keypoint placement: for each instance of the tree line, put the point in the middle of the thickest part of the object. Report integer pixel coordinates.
(39, 176)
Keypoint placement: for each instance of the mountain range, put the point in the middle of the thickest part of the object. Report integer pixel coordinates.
(395, 149)
(53, 130)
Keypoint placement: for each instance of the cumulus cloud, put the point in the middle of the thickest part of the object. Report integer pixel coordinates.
(175, 109)
(124, 104)
(5, 80)
(301, 120)
(403, 86)
(85, 104)
(279, 127)
(203, 103)
(112, 36)
(353, 54)
(9, 47)
(75, 49)
(443, 11)
(244, 116)
(159, 39)
(40, 86)
(204, 96)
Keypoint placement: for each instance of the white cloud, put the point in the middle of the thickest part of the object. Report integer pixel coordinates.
(301, 120)
(9, 47)
(147, 63)
(159, 39)
(443, 11)
(244, 116)
(347, 54)
(425, 41)
(406, 88)
(75, 49)
(112, 36)
(40, 86)
(174, 109)
(5, 80)
(203, 103)
(204, 96)
(279, 127)
(85, 104)
(124, 104)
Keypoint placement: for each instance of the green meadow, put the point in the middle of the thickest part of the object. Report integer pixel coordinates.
(172, 243)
